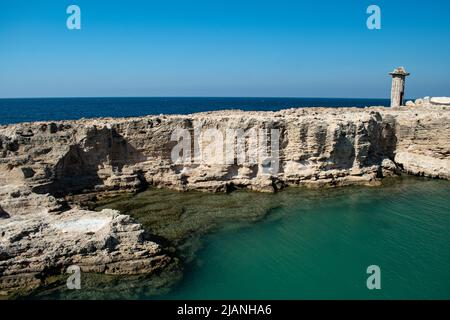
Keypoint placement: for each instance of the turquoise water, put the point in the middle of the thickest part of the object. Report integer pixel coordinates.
(295, 244)
(319, 246)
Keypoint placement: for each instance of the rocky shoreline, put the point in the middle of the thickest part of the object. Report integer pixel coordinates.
(43, 165)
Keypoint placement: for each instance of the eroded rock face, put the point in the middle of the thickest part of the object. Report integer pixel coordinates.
(40, 163)
(317, 146)
(3, 214)
(102, 242)
(40, 236)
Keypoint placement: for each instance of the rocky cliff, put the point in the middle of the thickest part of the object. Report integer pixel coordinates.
(44, 162)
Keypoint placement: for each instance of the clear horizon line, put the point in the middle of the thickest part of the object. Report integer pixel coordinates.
(183, 97)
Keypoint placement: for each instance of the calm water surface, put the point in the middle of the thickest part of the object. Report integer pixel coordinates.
(306, 244)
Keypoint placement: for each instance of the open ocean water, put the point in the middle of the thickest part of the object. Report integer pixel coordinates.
(44, 109)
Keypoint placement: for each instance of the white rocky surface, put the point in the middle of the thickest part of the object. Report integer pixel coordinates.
(429, 102)
(39, 237)
(440, 100)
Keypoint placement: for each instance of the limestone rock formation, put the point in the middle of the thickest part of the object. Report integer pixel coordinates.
(42, 163)
(3, 214)
(40, 236)
(429, 102)
(317, 146)
(44, 244)
(440, 101)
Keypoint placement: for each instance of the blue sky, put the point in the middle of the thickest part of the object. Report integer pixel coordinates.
(240, 48)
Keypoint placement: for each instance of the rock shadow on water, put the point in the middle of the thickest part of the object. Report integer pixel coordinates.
(183, 218)
(102, 287)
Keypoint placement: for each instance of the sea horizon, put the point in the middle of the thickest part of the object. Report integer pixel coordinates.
(17, 110)
(194, 96)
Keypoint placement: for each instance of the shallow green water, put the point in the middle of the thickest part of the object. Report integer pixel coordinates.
(320, 247)
(295, 244)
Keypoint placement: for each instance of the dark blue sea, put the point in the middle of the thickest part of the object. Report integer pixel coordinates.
(44, 109)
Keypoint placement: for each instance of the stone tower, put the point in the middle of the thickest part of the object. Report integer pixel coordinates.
(398, 86)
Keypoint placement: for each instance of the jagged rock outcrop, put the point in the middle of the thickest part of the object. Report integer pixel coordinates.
(42, 162)
(46, 244)
(429, 102)
(317, 146)
(3, 214)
